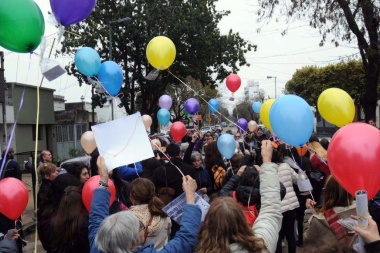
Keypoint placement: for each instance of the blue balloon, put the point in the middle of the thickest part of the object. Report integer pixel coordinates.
(213, 105)
(226, 145)
(111, 77)
(256, 106)
(87, 61)
(292, 119)
(163, 116)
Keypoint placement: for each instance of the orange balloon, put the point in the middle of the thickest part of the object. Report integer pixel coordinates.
(301, 150)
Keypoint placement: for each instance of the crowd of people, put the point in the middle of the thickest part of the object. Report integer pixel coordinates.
(255, 201)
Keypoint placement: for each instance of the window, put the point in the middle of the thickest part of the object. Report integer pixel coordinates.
(59, 133)
(34, 133)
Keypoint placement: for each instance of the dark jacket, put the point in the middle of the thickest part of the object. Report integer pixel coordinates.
(168, 175)
(8, 246)
(79, 245)
(184, 240)
(12, 169)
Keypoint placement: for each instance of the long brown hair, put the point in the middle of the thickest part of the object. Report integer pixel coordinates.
(211, 154)
(143, 190)
(70, 217)
(225, 224)
(334, 195)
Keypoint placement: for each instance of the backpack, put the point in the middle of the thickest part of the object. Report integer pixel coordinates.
(219, 175)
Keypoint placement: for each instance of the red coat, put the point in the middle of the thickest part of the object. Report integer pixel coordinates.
(250, 212)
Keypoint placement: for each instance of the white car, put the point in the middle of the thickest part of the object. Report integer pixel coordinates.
(206, 129)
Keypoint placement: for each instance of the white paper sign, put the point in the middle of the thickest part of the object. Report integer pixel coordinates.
(175, 208)
(123, 141)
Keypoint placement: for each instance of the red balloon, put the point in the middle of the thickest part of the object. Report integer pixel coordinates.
(13, 197)
(233, 82)
(177, 130)
(89, 188)
(353, 158)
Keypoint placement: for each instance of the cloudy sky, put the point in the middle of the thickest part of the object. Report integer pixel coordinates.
(276, 55)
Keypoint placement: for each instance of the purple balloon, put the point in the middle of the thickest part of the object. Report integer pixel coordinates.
(165, 101)
(192, 105)
(69, 12)
(243, 124)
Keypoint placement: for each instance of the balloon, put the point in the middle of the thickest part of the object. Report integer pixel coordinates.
(161, 52)
(87, 61)
(264, 113)
(111, 77)
(22, 25)
(336, 107)
(213, 105)
(353, 158)
(252, 125)
(242, 124)
(163, 116)
(147, 121)
(69, 12)
(14, 197)
(192, 105)
(165, 101)
(178, 131)
(226, 145)
(292, 119)
(256, 106)
(89, 188)
(233, 82)
(301, 150)
(87, 141)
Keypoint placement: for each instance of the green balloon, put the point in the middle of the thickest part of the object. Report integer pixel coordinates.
(22, 25)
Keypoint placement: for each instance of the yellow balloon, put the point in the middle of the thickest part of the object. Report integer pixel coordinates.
(264, 112)
(336, 107)
(161, 52)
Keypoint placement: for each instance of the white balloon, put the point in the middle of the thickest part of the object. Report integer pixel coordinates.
(252, 125)
(147, 121)
(88, 142)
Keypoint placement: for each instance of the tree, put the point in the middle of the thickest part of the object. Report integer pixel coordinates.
(343, 20)
(244, 109)
(309, 82)
(202, 52)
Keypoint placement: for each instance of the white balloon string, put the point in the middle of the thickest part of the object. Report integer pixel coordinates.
(159, 149)
(196, 93)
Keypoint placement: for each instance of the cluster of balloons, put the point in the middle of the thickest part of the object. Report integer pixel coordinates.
(163, 115)
(161, 52)
(109, 73)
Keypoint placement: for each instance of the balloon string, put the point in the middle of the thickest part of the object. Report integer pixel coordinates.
(196, 93)
(170, 161)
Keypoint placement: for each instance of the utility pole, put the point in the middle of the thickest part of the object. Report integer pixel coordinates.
(2, 95)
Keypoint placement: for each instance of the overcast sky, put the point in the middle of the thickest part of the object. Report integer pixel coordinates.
(276, 55)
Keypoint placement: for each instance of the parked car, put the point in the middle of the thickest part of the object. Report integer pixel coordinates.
(223, 124)
(218, 127)
(79, 159)
(206, 129)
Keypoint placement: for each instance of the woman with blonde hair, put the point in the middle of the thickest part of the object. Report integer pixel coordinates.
(225, 228)
(148, 209)
(322, 223)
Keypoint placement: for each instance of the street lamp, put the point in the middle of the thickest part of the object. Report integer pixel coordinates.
(275, 85)
(119, 21)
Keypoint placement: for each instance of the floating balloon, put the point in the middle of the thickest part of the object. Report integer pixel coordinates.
(226, 145)
(165, 101)
(336, 107)
(147, 121)
(252, 125)
(213, 105)
(89, 188)
(233, 82)
(292, 119)
(192, 105)
(163, 116)
(178, 131)
(161, 52)
(87, 61)
(256, 106)
(354, 158)
(242, 124)
(22, 25)
(69, 12)
(87, 141)
(14, 197)
(111, 77)
(264, 113)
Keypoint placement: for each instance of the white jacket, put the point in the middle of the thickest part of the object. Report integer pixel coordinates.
(288, 177)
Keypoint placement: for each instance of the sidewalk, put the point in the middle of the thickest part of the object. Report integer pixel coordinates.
(27, 220)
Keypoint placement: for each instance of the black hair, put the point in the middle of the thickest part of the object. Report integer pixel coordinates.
(173, 150)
